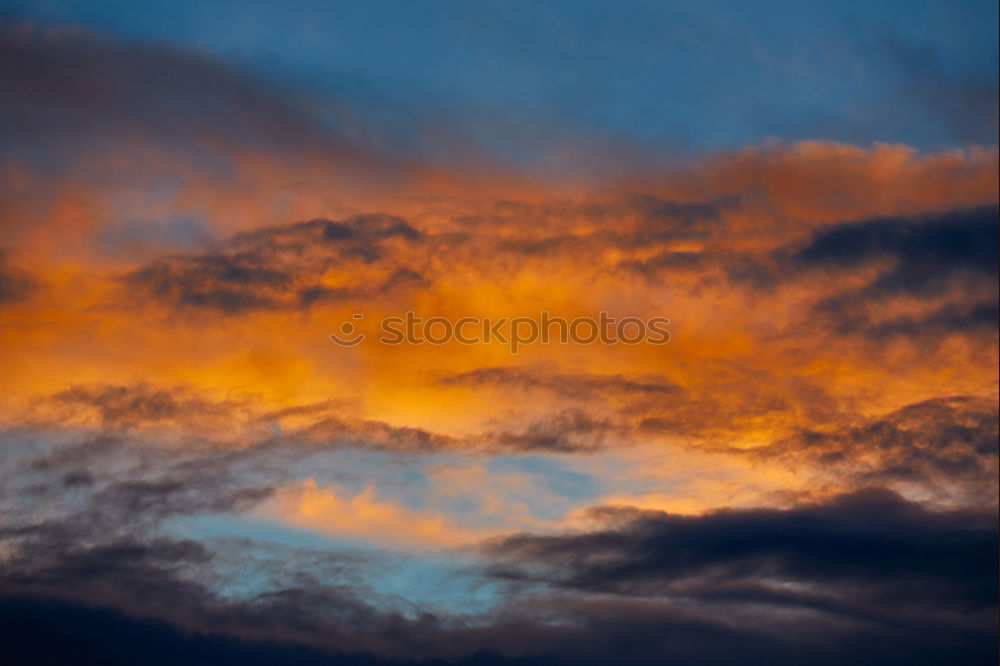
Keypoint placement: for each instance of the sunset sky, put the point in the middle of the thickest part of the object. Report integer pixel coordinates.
(195, 195)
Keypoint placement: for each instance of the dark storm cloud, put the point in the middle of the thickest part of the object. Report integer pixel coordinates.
(866, 566)
(875, 544)
(922, 255)
(51, 631)
(280, 268)
(972, 318)
(946, 260)
(928, 251)
(931, 257)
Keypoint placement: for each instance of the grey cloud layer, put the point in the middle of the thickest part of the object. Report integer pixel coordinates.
(763, 584)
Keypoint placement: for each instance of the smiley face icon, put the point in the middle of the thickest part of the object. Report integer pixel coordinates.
(349, 336)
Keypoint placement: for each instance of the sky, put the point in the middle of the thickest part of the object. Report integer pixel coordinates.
(211, 452)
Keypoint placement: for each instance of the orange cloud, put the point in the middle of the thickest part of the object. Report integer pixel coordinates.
(364, 516)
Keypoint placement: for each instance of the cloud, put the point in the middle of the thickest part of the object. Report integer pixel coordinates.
(931, 257)
(86, 521)
(876, 538)
(59, 632)
(71, 92)
(923, 277)
(16, 284)
(928, 251)
(242, 423)
(710, 402)
(854, 579)
(366, 516)
(568, 431)
(581, 385)
(141, 404)
(862, 562)
(334, 431)
(281, 268)
(944, 448)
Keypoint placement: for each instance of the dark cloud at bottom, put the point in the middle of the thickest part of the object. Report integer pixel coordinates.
(864, 578)
(49, 631)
